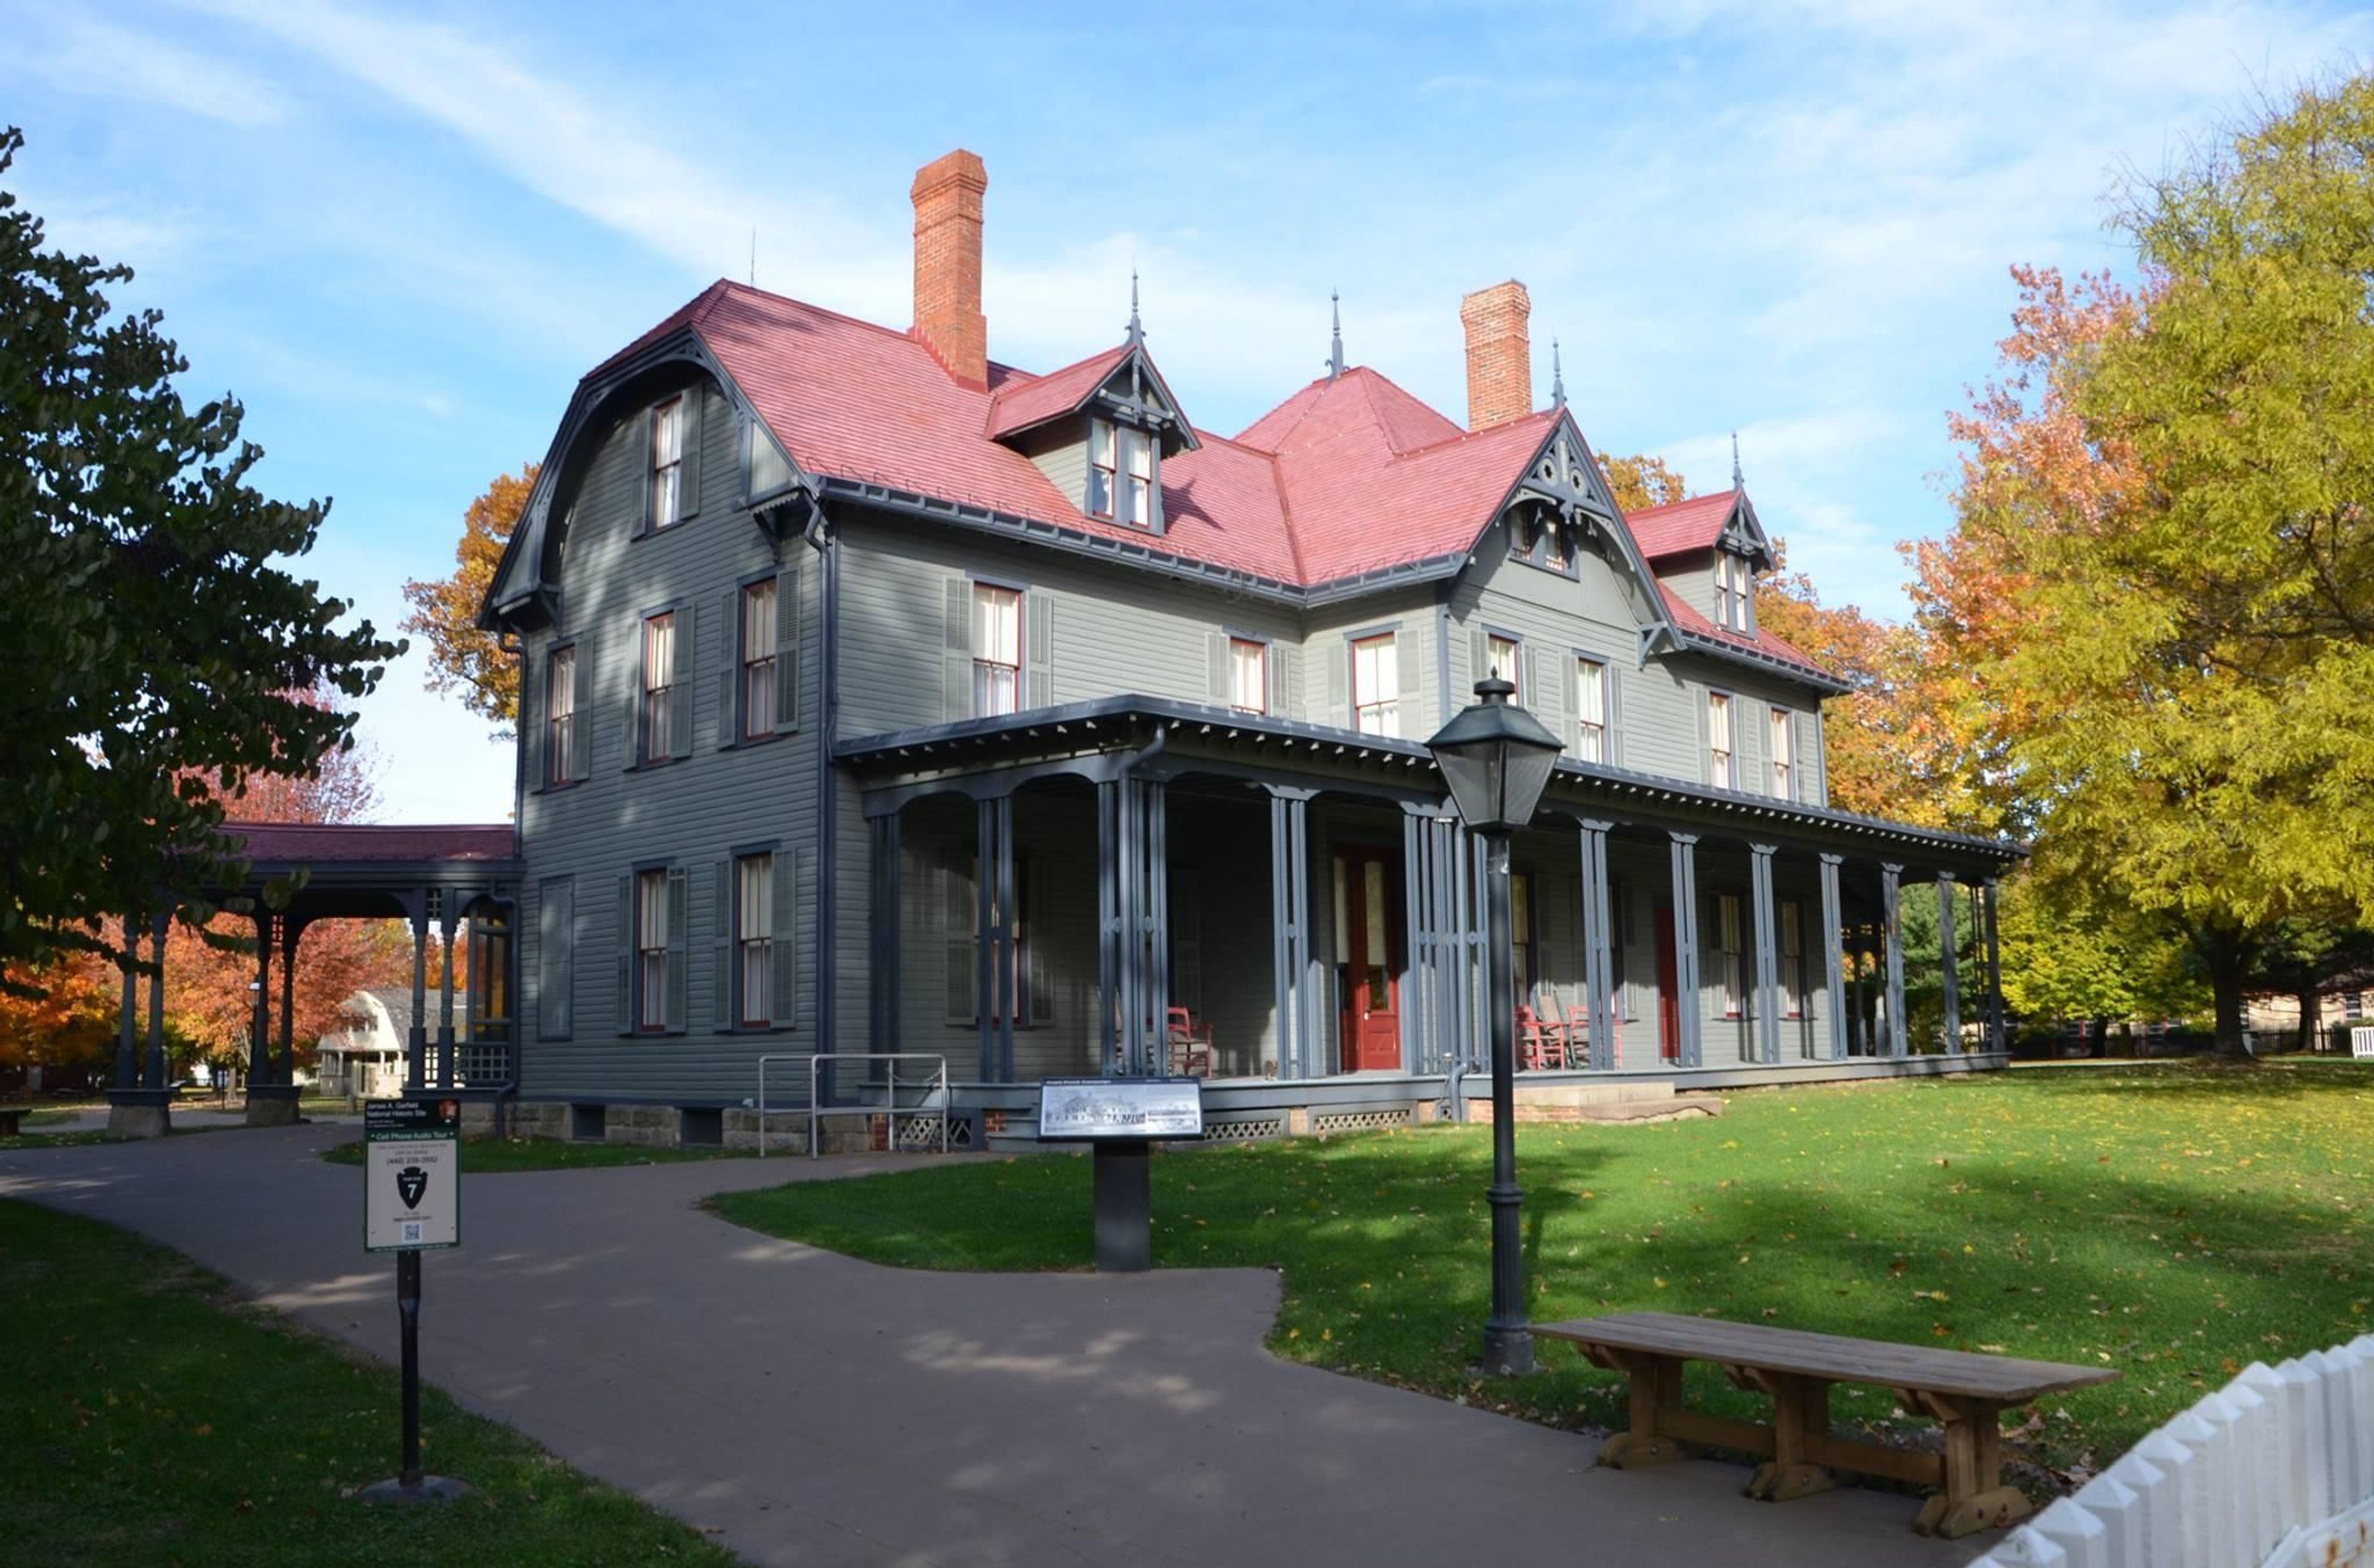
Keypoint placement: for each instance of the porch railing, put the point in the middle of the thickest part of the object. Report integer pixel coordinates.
(934, 1104)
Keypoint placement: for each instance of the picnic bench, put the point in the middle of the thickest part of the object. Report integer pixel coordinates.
(12, 1119)
(1964, 1391)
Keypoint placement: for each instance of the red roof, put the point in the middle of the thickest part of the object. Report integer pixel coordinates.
(1763, 642)
(318, 843)
(1682, 528)
(1348, 477)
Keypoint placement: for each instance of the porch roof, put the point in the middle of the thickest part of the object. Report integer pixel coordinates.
(367, 870)
(1300, 750)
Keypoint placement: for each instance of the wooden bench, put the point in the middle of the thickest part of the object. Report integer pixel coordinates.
(12, 1119)
(1966, 1392)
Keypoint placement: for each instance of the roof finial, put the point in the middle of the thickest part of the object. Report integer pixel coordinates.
(1557, 378)
(1736, 483)
(1335, 345)
(1136, 332)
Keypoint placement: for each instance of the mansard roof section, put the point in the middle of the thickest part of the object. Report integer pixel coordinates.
(1123, 380)
(1700, 524)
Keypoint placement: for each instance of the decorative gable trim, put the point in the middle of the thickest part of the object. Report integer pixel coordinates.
(1563, 479)
(1743, 534)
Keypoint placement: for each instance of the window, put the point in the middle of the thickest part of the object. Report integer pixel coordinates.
(1248, 675)
(1120, 473)
(759, 658)
(1590, 710)
(1792, 960)
(2352, 1005)
(1376, 686)
(1729, 953)
(658, 686)
(1504, 660)
(754, 939)
(997, 651)
(667, 463)
(560, 717)
(1734, 592)
(1719, 740)
(1783, 752)
(650, 950)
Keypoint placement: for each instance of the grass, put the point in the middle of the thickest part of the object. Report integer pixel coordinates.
(491, 1155)
(2176, 1221)
(155, 1418)
(53, 1139)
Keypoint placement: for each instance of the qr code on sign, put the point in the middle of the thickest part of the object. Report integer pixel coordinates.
(412, 1230)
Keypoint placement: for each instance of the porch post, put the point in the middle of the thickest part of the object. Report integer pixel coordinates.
(1414, 891)
(153, 1075)
(1987, 891)
(416, 1065)
(126, 1061)
(1107, 927)
(1308, 1029)
(1598, 951)
(1290, 897)
(1009, 988)
(1132, 929)
(1157, 925)
(1686, 947)
(448, 917)
(1951, 959)
(259, 1024)
(1768, 965)
(292, 932)
(1834, 991)
(1281, 936)
(885, 920)
(1891, 936)
(985, 939)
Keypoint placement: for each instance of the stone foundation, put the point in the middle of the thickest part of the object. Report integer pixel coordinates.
(138, 1121)
(479, 1118)
(645, 1126)
(271, 1106)
(538, 1120)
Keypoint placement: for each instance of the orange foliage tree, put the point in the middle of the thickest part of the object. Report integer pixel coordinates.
(464, 657)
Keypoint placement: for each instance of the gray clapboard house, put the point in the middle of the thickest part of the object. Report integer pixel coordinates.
(879, 696)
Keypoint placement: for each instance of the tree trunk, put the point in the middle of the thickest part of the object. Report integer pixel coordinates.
(2227, 961)
(2311, 1024)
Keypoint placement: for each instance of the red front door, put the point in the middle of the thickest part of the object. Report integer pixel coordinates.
(1669, 1006)
(1367, 967)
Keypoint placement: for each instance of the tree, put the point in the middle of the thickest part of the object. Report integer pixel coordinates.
(2167, 493)
(463, 656)
(1639, 482)
(63, 1015)
(151, 641)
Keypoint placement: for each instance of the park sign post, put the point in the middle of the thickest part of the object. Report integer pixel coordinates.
(412, 1203)
(1120, 1118)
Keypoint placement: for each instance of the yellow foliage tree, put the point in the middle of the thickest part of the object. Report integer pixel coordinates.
(463, 656)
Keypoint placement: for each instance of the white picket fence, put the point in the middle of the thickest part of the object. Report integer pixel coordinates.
(2274, 1471)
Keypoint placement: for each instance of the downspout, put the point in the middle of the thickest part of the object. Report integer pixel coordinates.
(828, 549)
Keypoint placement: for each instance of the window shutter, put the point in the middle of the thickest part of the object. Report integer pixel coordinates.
(1039, 626)
(1698, 700)
(1614, 680)
(787, 649)
(1479, 663)
(1285, 680)
(1339, 678)
(632, 672)
(729, 670)
(689, 469)
(1546, 693)
(1809, 759)
(554, 918)
(956, 685)
(626, 954)
(687, 646)
(793, 874)
(1572, 733)
(535, 734)
(641, 434)
(1217, 650)
(580, 729)
(721, 1005)
(1043, 984)
(1407, 665)
(957, 916)
(1750, 738)
(679, 897)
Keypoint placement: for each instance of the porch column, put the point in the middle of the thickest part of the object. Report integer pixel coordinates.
(259, 1019)
(1686, 947)
(1951, 960)
(1834, 992)
(1987, 891)
(883, 919)
(153, 1074)
(1598, 949)
(1767, 957)
(448, 917)
(1009, 987)
(985, 939)
(416, 1045)
(1290, 897)
(1891, 936)
(292, 932)
(1156, 1005)
(1416, 889)
(126, 1058)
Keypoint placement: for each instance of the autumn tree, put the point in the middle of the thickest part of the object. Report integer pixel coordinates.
(463, 656)
(1639, 482)
(153, 633)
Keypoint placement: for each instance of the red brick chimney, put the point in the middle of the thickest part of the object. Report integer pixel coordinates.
(1500, 355)
(947, 194)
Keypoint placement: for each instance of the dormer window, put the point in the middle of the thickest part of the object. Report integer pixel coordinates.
(1734, 592)
(1120, 473)
(667, 463)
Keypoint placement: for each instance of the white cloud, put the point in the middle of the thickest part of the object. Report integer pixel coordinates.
(84, 55)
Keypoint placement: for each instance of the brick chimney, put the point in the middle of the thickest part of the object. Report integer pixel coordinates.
(947, 194)
(1500, 355)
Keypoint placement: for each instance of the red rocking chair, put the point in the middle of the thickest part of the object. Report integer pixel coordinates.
(1190, 1042)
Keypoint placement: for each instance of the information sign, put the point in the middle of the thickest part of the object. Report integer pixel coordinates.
(412, 1168)
(1098, 1109)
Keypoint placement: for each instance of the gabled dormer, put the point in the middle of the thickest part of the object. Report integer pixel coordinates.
(1098, 430)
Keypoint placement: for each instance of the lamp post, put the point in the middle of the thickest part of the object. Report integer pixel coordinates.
(1497, 759)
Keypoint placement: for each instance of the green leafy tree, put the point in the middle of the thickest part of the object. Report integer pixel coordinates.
(156, 657)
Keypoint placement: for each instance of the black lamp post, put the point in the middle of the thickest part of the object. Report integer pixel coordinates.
(1497, 758)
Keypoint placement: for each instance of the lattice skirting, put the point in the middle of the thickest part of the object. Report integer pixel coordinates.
(1244, 1129)
(1359, 1121)
(923, 1132)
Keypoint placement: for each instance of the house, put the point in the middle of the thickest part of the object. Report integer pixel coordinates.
(366, 1055)
(878, 696)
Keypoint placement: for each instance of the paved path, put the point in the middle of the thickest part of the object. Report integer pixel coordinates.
(816, 1410)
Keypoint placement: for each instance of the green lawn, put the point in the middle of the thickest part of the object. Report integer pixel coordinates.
(151, 1417)
(490, 1155)
(2176, 1221)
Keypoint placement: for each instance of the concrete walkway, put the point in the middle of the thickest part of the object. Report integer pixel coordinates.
(813, 1410)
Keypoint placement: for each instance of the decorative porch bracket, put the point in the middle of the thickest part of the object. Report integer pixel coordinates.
(1767, 957)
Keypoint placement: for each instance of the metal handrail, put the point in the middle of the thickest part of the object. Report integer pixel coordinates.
(816, 1061)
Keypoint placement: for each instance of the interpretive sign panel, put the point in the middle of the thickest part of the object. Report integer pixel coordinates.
(1092, 1109)
(412, 1175)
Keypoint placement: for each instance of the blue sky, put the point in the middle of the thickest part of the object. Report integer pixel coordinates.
(400, 234)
